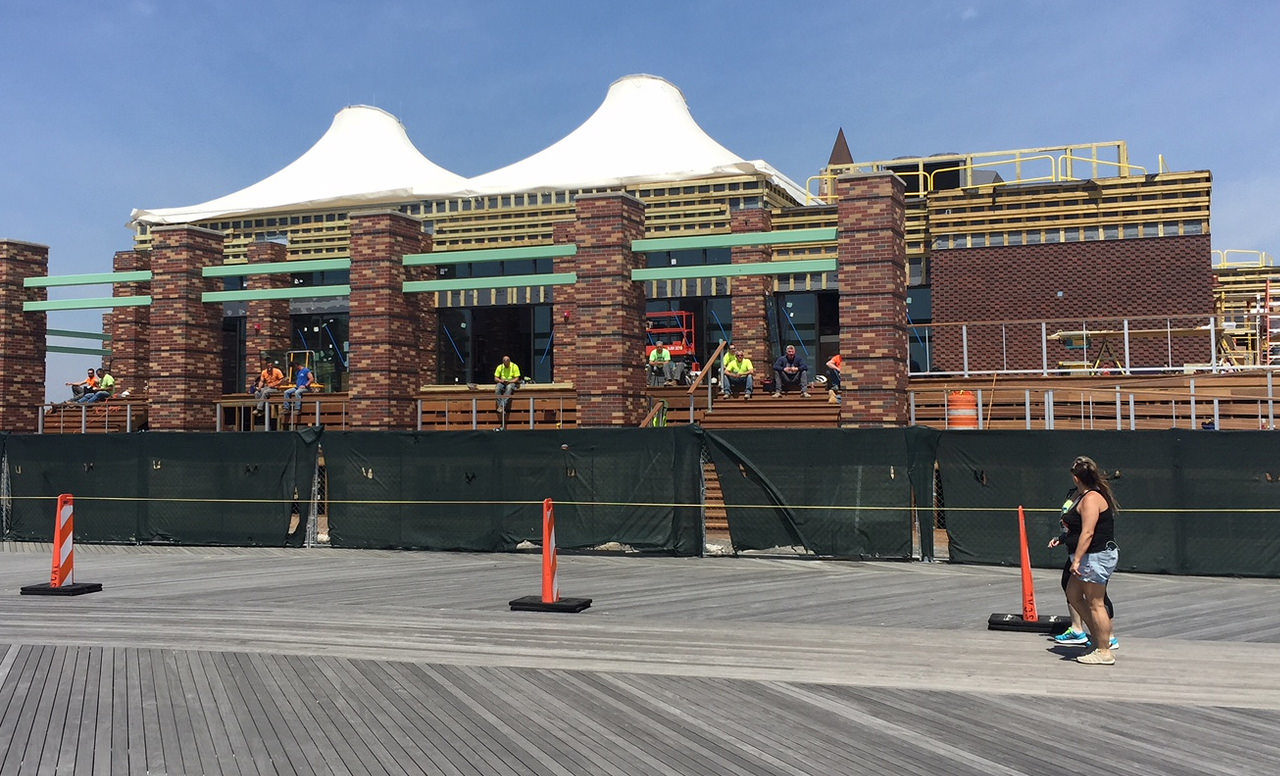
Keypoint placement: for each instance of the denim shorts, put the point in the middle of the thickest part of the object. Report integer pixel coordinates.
(1097, 567)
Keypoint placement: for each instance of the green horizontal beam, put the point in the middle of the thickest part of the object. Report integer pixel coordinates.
(438, 258)
(78, 334)
(480, 284)
(735, 270)
(294, 292)
(783, 237)
(275, 268)
(98, 279)
(86, 304)
(78, 351)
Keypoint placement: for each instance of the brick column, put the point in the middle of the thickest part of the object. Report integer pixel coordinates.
(22, 336)
(872, 273)
(130, 327)
(423, 307)
(564, 309)
(750, 293)
(267, 324)
(186, 333)
(385, 360)
(608, 312)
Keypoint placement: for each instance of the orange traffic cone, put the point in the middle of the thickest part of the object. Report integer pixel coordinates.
(1030, 619)
(62, 579)
(550, 601)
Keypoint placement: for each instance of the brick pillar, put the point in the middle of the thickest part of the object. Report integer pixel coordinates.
(130, 327)
(267, 325)
(750, 293)
(564, 310)
(872, 273)
(423, 307)
(22, 336)
(608, 312)
(385, 361)
(186, 333)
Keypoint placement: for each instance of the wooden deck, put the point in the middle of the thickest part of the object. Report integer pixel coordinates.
(248, 661)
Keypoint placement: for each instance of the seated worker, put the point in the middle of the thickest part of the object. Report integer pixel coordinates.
(106, 387)
(506, 380)
(661, 370)
(303, 380)
(267, 383)
(832, 371)
(88, 385)
(736, 374)
(790, 371)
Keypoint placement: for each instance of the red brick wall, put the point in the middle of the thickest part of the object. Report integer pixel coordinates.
(607, 312)
(750, 317)
(130, 327)
(267, 322)
(22, 336)
(872, 273)
(1102, 282)
(186, 334)
(386, 365)
(564, 307)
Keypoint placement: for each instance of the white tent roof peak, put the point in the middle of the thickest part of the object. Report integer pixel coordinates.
(642, 132)
(365, 158)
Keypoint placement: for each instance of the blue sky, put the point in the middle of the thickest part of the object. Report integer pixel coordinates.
(110, 106)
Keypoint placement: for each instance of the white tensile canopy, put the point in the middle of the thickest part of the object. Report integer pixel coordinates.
(365, 158)
(641, 133)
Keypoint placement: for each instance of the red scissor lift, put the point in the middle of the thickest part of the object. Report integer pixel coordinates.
(675, 329)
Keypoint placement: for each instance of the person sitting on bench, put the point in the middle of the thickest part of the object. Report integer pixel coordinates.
(661, 369)
(303, 382)
(790, 371)
(106, 387)
(506, 380)
(736, 374)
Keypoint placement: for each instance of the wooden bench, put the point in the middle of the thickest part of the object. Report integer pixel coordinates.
(536, 406)
(235, 412)
(108, 416)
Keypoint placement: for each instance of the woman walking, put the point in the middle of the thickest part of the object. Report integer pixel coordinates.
(1090, 539)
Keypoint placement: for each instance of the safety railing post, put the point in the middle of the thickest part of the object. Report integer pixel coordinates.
(1026, 406)
(1271, 404)
(964, 347)
(84, 419)
(1213, 346)
(911, 407)
(1048, 410)
(40, 416)
(474, 408)
(1127, 365)
(1192, 383)
(979, 409)
(1133, 421)
(1044, 349)
(419, 403)
(531, 412)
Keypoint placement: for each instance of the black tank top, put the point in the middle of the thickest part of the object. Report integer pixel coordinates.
(1103, 532)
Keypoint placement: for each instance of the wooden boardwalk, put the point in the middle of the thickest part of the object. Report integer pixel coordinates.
(272, 661)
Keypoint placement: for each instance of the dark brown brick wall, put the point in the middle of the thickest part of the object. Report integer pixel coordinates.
(186, 334)
(607, 312)
(750, 316)
(130, 327)
(267, 324)
(872, 273)
(386, 363)
(22, 336)
(1102, 282)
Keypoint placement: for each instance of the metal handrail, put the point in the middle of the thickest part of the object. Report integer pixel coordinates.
(1017, 163)
(1065, 159)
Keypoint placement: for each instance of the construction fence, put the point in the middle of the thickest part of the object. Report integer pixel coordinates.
(1192, 502)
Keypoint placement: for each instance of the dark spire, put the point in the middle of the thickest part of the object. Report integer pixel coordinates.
(840, 151)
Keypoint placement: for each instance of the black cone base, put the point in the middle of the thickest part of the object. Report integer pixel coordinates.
(534, 603)
(75, 588)
(1053, 624)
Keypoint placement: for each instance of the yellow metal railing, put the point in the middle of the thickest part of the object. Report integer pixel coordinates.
(1063, 162)
(1222, 259)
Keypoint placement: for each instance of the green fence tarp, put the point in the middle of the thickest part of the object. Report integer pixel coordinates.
(836, 492)
(189, 488)
(484, 490)
(1192, 502)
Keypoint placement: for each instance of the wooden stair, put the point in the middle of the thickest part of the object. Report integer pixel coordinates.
(791, 410)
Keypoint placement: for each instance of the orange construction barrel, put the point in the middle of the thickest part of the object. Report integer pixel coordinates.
(962, 410)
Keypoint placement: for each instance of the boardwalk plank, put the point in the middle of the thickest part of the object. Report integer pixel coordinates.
(294, 661)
